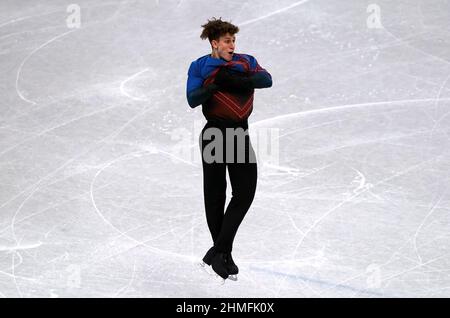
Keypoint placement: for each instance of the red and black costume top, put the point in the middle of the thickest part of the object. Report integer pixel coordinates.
(218, 104)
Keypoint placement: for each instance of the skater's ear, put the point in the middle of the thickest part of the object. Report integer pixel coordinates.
(214, 44)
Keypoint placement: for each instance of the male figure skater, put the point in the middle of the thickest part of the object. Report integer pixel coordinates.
(224, 82)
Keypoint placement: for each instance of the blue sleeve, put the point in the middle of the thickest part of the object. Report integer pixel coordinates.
(194, 80)
(261, 78)
(253, 62)
(196, 94)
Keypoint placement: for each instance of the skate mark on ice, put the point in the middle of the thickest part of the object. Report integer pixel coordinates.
(365, 189)
(13, 268)
(337, 108)
(273, 13)
(19, 247)
(114, 15)
(193, 33)
(291, 132)
(326, 214)
(57, 11)
(391, 259)
(419, 228)
(29, 56)
(124, 288)
(437, 122)
(414, 267)
(322, 283)
(37, 185)
(15, 20)
(415, 48)
(56, 127)
(122, 233)
(124, 92)
(344, 107)
(105, 139)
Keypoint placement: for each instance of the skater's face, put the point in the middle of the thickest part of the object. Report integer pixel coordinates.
(224, 47)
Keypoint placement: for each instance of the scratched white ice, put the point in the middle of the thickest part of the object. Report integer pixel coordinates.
(97, 200)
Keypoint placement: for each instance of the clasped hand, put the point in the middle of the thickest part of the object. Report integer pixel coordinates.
(232, 82)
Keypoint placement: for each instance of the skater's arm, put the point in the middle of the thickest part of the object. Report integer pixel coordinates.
(233, 82)
(261, 78)
(196, 93)
(200, 95)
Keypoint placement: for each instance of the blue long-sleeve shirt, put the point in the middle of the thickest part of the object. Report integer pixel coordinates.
(201, 68)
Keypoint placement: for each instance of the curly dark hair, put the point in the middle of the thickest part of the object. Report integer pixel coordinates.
(215, 28)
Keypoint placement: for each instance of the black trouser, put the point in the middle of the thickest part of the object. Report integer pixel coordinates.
(243, 176)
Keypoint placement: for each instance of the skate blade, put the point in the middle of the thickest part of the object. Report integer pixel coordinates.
(206, 268)
(219, 279)
(233, 277)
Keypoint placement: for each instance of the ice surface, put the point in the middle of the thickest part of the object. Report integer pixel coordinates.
(96, 200)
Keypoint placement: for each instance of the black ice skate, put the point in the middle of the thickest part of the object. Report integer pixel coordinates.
(219, 265)
(207, 259)
(232, 268)
(205, 264)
